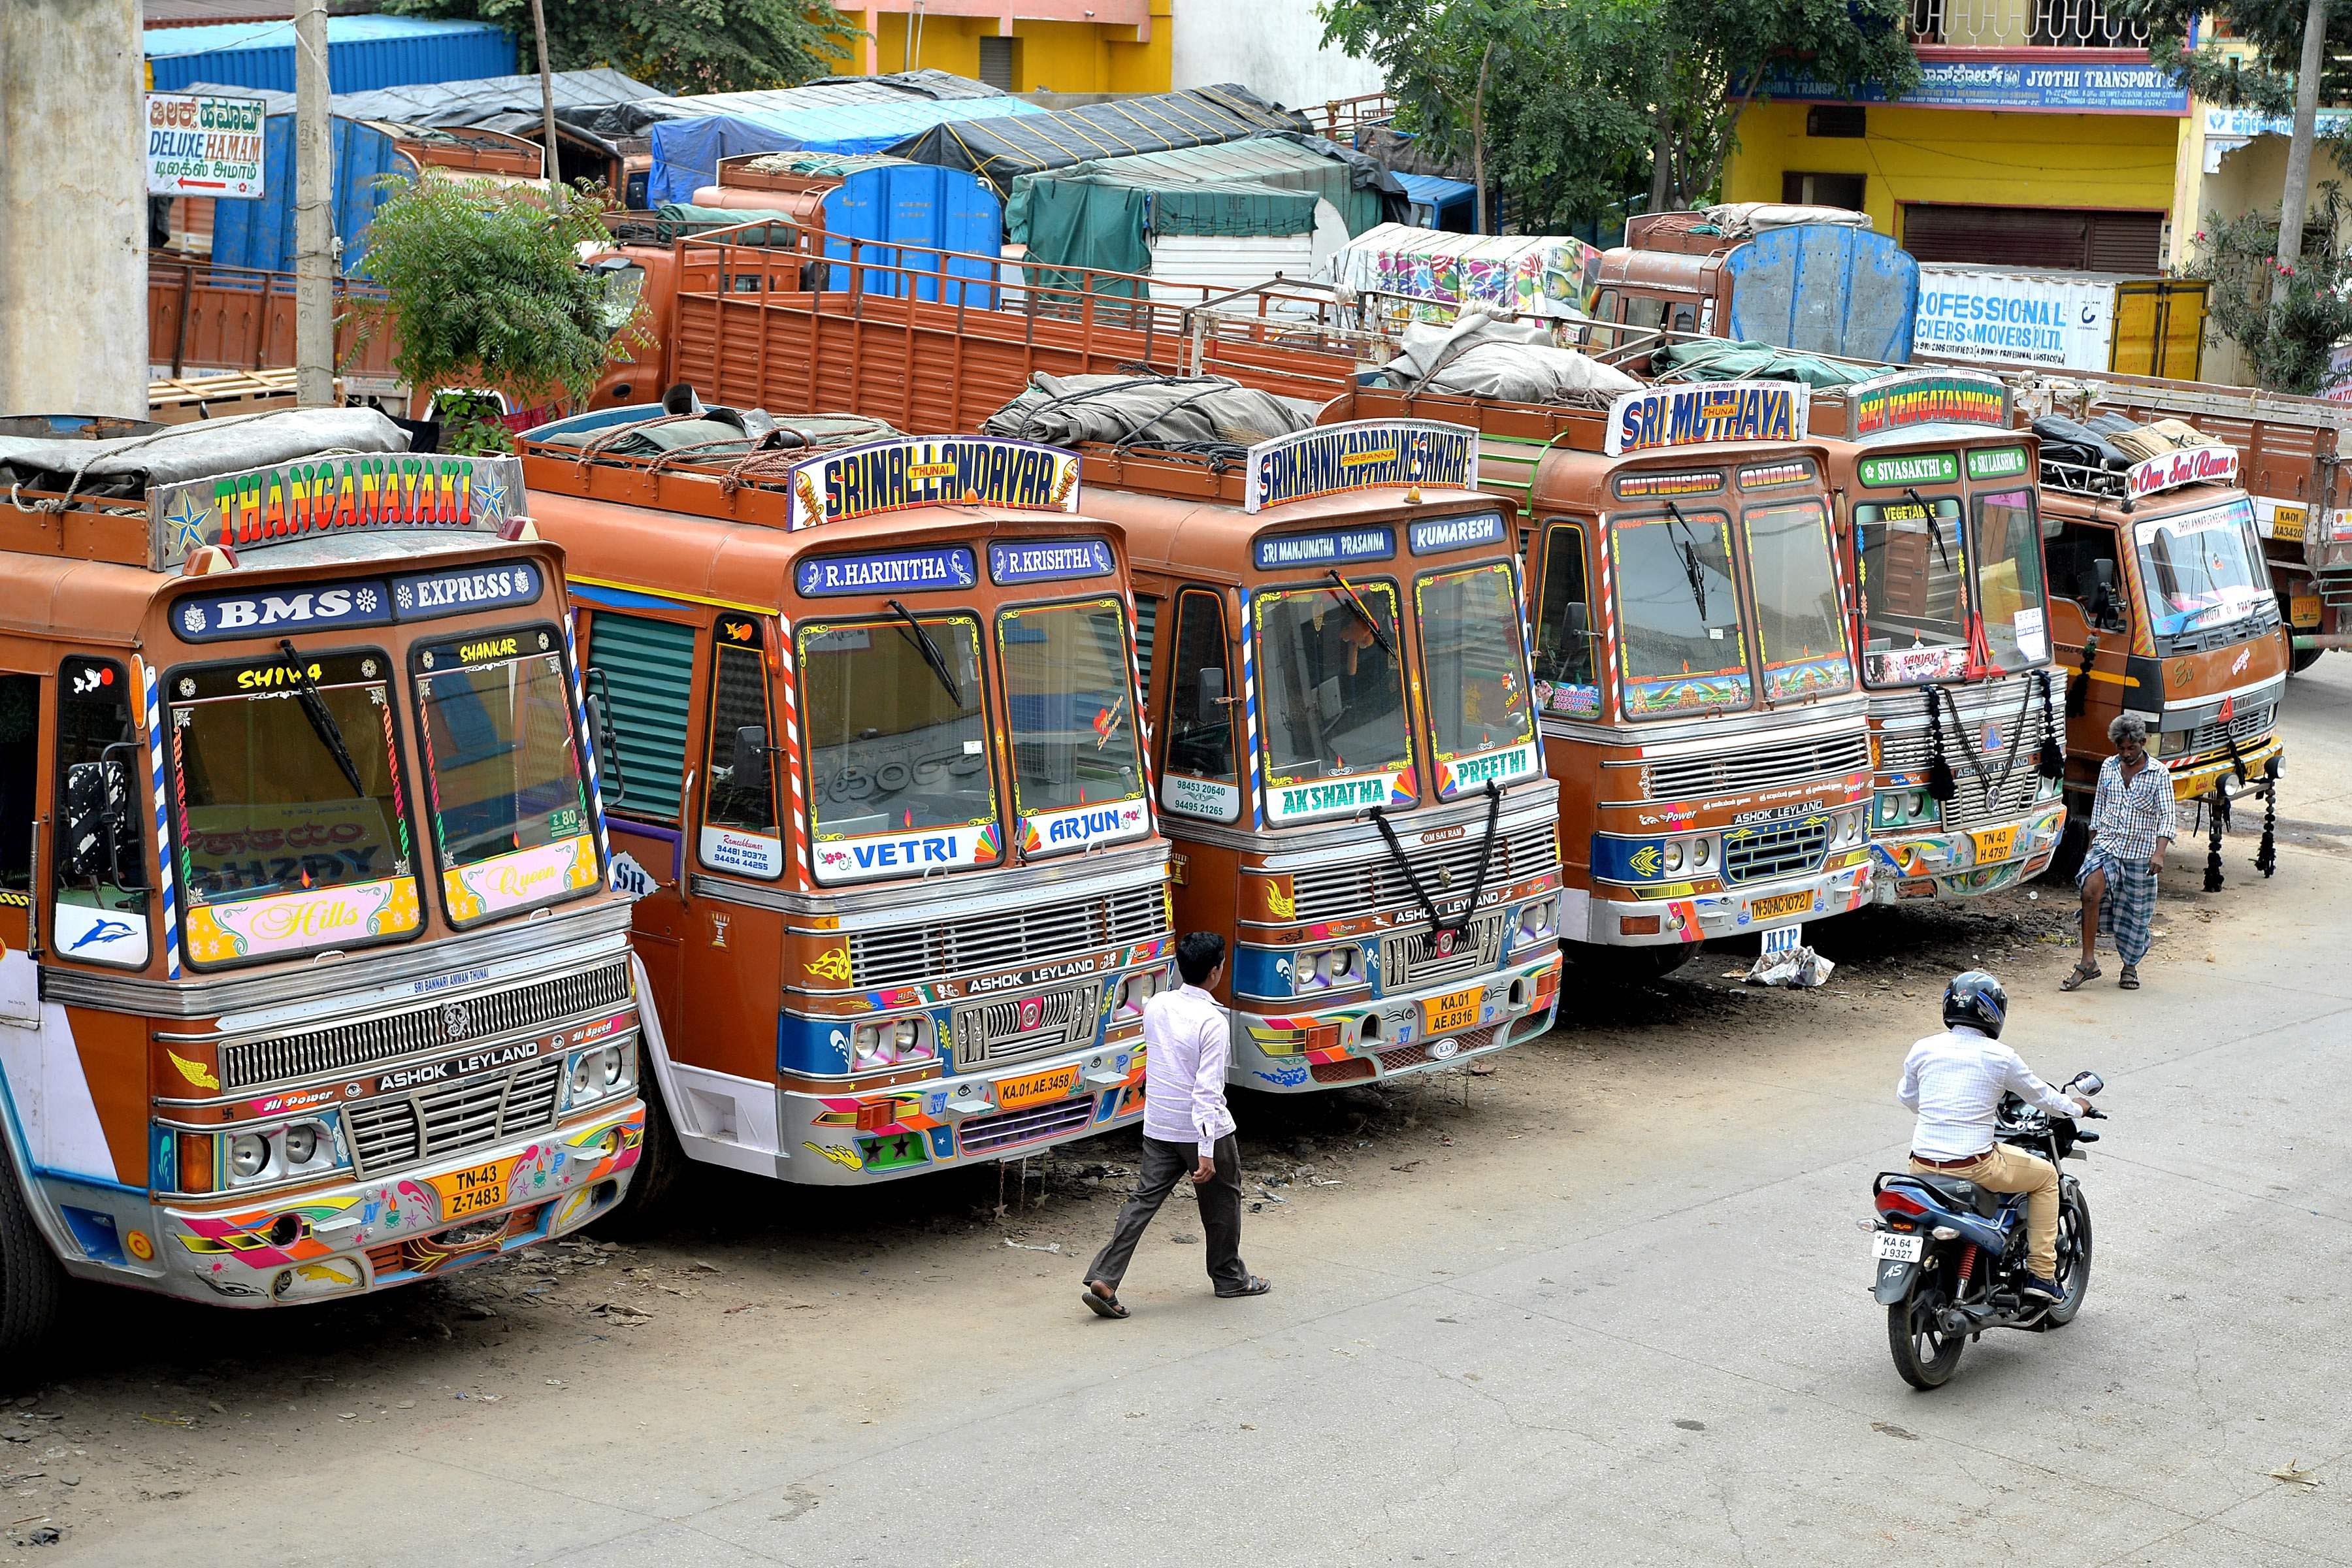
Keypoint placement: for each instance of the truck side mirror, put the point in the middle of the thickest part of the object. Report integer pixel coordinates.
(98, 826)
(2102, 592)
(749, 769)
(1210, 708)
(602, 736)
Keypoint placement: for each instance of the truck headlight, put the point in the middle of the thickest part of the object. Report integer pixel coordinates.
(1536, 919)
(889, 1042)
(1136, 990)
(1673, 859)
(249, 1157)
(1702, 854)
(1327, 968)
(307, 1148)
(301, 1143)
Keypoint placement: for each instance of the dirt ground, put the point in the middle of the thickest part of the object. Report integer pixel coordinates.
(143, 1403)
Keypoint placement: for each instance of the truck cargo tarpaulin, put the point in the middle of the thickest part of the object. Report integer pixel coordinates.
(201, 144)
(1000, 149)
(2059, 320)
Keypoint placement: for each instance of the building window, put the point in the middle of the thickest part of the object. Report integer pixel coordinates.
(1823, 190)
(1848, 119)
(1000, 62)
(2074, 237)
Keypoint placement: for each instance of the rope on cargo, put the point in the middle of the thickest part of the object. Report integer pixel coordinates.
(54, 505)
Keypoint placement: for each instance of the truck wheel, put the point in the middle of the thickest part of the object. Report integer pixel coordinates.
(649, 1205)
(1639, 965)
(30, 1282)
(2303, 659)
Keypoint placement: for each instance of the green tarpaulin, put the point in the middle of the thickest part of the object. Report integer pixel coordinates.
(1720, 360)
(677, 220)
(1099, 218)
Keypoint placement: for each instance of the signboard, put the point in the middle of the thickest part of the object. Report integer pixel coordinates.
(2055, 86)
(1893, 403)
(1996, 462)
(1431, 535)
(1365, 454)
(1047, 560)
(1910, 469)
(203, 145)
(933, 470)
(1657, 418)
(353, 602)
(1337, 547)
(1992, 316)
(887, 572)
(319, 497)
(908, 854)
(2189, 466)
(1298, 800)
(1635, 487)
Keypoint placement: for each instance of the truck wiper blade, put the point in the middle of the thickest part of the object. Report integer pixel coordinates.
(1692, 572)
(1355, 602)
(1934, 525)
(932, 655)
(322, 722)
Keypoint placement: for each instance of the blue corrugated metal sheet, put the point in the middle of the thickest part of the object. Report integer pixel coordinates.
(260, 232)
(687, 151)
(363, 53)
(916, 204)
(1825, 289)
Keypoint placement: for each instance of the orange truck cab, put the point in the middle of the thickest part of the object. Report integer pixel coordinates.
(1941, 532)
(1692, 665)
(2162, 606)
(1349, 768)
(880, 785)
(312, 982)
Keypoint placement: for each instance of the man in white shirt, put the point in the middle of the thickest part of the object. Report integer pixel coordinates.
(1187, 1130)
(1955, 1081)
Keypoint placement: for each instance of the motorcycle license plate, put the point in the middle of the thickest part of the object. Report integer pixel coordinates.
(1902, 1248)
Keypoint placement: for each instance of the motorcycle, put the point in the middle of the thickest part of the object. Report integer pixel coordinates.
(1950, 1256)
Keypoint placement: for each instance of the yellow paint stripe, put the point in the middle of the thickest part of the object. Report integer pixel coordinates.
(2113, 679)
(673, 594)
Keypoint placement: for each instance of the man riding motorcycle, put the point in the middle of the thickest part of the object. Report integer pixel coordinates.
(1955, 1081)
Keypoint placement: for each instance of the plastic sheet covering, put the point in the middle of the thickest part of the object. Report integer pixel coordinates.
(1480, 355)
(687, 150)
(1745, 220)
(678, 220)
(599, 102)
(1717, 359)
(1001, 150)
(1364, 193)
(130, 465)
(820, 165)
(1527, 275)
(1191, 414)
(717, 435)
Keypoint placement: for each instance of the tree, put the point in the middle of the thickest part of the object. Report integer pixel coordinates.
(2288, 318)
(679, 45)
(1438, 57)
(484, 291)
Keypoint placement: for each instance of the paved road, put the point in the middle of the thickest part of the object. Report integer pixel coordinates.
(1635, 1334)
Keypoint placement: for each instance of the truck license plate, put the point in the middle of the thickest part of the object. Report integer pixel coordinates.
(1902, 1248)
(472, 1192)
(2287, 522)
(1995, 845)
(1014, 1092)
(1454, 1010)
(1780, 904)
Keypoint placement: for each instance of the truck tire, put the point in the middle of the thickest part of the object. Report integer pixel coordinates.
(650, 1203)
(30, 1282)
(2301, 658)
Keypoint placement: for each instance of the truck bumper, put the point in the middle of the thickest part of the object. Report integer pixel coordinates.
(1392, 1036)
(1613, 920)
(1924, 867)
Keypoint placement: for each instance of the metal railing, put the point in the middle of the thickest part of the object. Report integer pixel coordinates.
(2025, 24)
(204, 316)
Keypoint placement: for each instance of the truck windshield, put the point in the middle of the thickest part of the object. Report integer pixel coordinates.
(510, 811)
(279, 851)
(1473, 658)
(2008, 588)
(1683, 642)
(1334, 693)
(1067, 681)
(2197, 569)
(1911, 559)
(1799, 620)
(894, 742)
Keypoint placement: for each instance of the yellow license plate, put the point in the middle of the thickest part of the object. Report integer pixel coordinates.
(1995, 844)
(2287, 522)
(1454, 1010)
(1780, 904)
(472, 1192)
(2302, 609)
(1011, 1092)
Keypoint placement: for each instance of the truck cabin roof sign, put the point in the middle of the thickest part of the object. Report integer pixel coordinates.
(933, 470)
(1364, 454)
(1655, 418)
(2189, 465)
(319, 498)
(1891, 403)
(1334, 547)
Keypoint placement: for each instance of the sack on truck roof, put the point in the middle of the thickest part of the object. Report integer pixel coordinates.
(1200, 413)
(130, 465)
(1481, 355)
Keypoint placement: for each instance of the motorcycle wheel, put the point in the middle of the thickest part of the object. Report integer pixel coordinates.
(2074, 1257)
(1924, 1353)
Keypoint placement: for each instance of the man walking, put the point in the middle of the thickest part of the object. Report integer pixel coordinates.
(1187, 1130)
(2131, 824)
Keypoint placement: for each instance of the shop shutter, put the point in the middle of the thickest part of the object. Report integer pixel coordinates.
(2127, 242)
(996, 63)
(650, 668)
(2034, 237)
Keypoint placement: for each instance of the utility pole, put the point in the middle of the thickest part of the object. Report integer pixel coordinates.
(546, 97)
(314, 213)
(2294, 200)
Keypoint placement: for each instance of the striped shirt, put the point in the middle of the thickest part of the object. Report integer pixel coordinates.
(2128, 815)
(1187, 1042)
(1955, 1081)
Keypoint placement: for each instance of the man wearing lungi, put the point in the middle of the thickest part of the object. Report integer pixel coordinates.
(2131, 822)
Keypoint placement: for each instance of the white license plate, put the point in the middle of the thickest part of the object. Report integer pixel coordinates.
(1902, 1248)
(1787, 939)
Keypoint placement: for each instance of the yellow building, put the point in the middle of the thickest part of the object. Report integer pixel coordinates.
(1021, 45)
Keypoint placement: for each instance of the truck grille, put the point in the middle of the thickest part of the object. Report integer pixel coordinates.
(1010, 1129)
(1775, 849)
(1017, 1027)
(1360, 887)
(1755, 767)
(2250, 724)
(1006, 938)
(367, 1042)
(1908, 751)
(398, 1128)
(1408, 960)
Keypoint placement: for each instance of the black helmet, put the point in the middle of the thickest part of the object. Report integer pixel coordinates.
(1977, 1000)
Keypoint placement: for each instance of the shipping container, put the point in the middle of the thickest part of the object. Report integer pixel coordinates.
(2056, 320)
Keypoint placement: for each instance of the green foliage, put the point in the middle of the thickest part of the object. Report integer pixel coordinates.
(484, 289)
(679, 45)
(2287, 345)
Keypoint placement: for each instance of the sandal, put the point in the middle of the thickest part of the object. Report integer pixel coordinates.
(2129, 978)
(2082, 975)
(1100, 1305)
(1258, 1286)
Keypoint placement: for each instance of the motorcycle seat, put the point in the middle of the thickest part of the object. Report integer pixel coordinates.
(1965, 1195)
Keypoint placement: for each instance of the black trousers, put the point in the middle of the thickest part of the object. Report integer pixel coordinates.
(1164, 1165)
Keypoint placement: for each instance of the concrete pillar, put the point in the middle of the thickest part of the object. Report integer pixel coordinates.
(73, 208)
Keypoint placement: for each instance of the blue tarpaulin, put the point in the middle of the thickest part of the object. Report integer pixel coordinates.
(1438, 195)
(363, 53)
(687, 151)
(260, 232)
(930, 209)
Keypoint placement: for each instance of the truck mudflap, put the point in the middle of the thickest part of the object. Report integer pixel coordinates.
(1894, 1281)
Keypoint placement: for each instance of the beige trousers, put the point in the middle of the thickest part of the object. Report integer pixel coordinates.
(2008, 1170)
